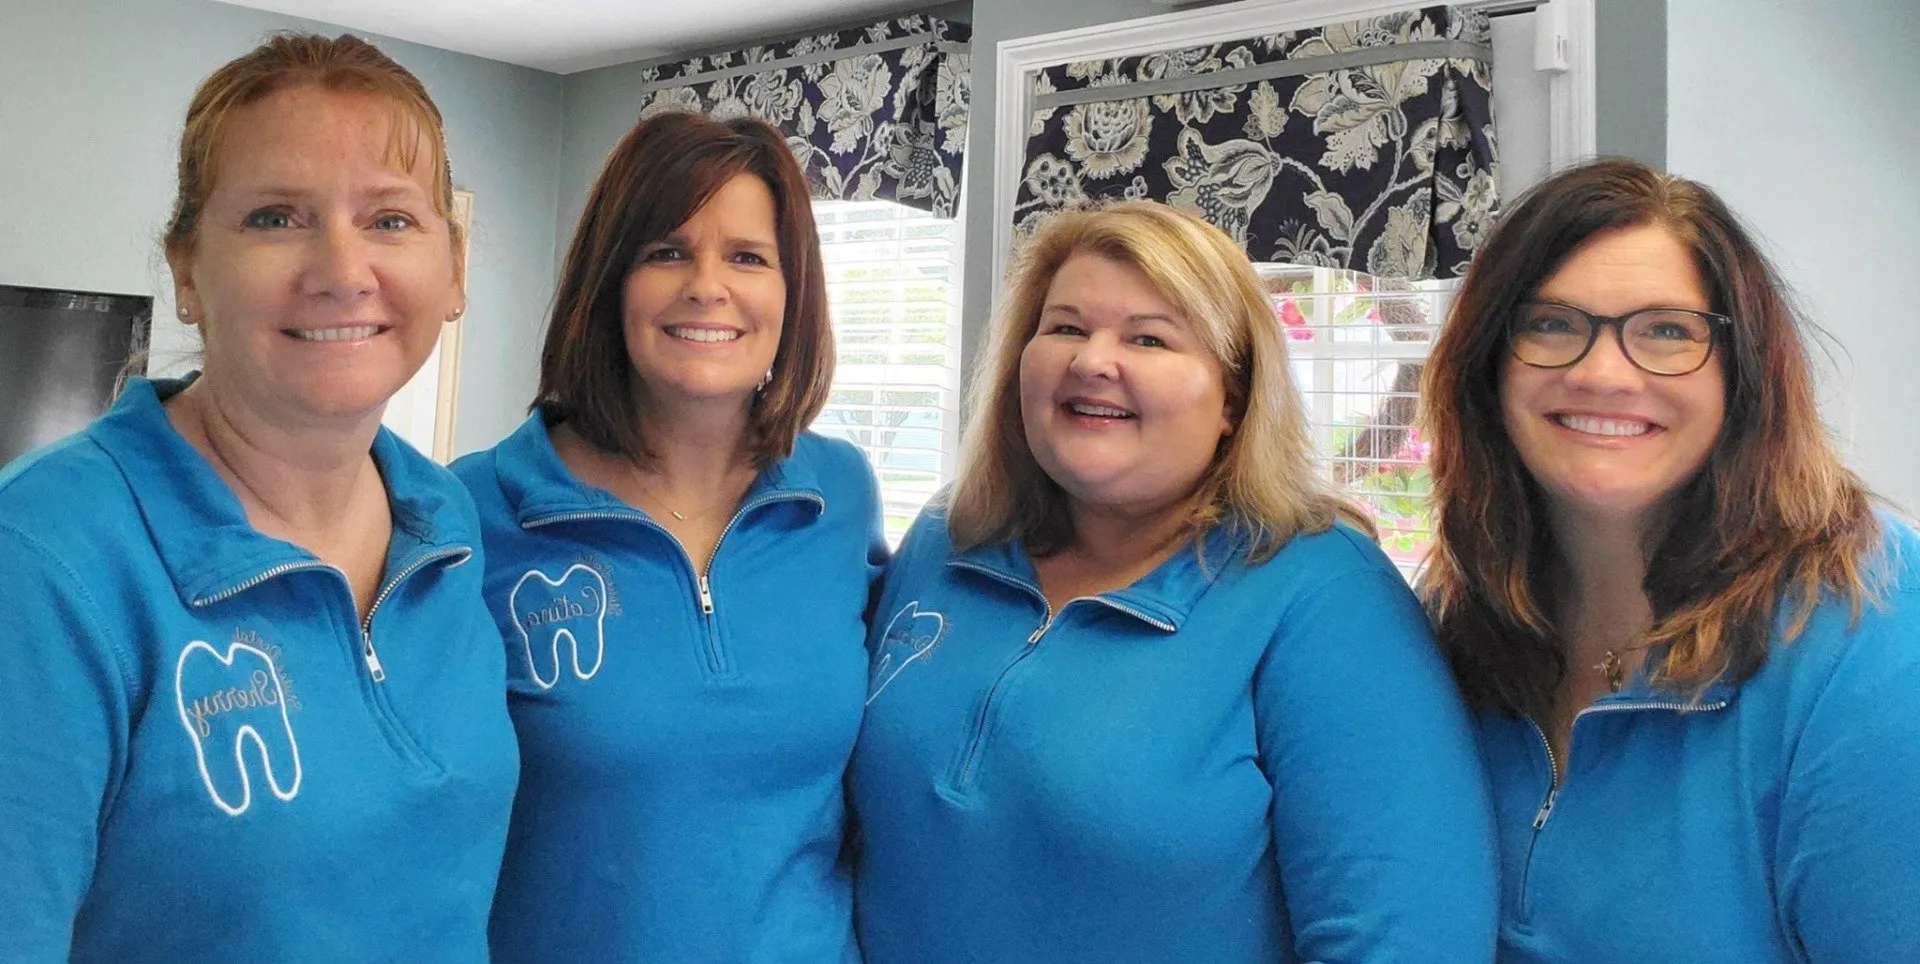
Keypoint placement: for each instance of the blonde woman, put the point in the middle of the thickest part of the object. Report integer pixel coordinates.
(1137, 692)
(1693, 644)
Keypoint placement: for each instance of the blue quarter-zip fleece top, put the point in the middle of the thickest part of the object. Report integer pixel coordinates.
(1220, 763)
(1773, 821)
(205, 753)
(685, 733)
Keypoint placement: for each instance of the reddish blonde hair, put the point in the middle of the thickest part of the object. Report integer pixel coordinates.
(343, 63)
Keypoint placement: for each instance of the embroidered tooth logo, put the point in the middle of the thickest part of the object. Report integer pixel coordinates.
(549, 611)
(226, 703)
(910, 635)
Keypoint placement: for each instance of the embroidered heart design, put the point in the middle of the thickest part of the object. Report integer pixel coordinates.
(910, 635)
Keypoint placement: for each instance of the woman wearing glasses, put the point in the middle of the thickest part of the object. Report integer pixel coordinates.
(1694, 645)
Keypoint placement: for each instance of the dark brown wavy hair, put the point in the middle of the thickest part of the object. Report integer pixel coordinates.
(662, 172)
(1772, 521)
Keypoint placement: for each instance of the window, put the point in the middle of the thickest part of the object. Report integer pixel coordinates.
(1358, 345)
(893, 281)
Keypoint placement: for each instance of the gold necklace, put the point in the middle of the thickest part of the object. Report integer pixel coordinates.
(653, 496)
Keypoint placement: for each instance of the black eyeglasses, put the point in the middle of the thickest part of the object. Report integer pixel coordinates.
(1658, 341)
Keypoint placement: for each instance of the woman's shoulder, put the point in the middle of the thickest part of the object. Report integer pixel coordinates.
(1899, 557)
(1337, 554)
(835, 462)
(525, 450)
(475, 469)
(70, 486)
(1840, 644)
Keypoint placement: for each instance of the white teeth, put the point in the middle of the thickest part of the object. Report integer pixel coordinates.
(336, 334)
(1100, 411)
(704, 334)
(1603, 426)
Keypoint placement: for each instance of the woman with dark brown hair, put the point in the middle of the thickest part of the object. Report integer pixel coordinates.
(682, 574)
(1694, 644)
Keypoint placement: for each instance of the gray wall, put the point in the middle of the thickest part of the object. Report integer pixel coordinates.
(1805, 124)
(1630, 79)
(92, 93)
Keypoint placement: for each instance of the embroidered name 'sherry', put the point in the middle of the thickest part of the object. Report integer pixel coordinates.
(261, 691)
(226, 703)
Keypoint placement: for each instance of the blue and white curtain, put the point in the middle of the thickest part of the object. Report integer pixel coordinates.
(873, 113)
(1366, 145)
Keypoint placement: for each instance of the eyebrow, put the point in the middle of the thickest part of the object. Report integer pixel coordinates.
(1143, 316)
(285, 193)
(1653, 306)
(751, 244)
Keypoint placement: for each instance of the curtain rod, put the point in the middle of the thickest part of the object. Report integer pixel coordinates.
(1496, 8)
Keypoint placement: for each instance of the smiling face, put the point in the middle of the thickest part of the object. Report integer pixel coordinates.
(1604, 437)
(704, 306)
(1123, 405)
(320, 272)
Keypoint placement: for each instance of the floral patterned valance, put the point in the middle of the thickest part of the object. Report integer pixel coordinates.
(1366, 145)
(872, 113)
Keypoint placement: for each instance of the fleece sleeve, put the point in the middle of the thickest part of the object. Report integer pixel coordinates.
(876, 520)
(1848, 865)
(1381, 815)
(63, 741)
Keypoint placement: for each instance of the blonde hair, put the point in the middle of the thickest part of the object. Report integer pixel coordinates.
(1262, 482)
(343, 63)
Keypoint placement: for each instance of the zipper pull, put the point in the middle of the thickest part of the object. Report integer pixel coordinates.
(706, 597)
(373, 658)
(1546, 809)
(1042, 631)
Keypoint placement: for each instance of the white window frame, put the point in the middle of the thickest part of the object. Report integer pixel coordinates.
(1572, 96)
(950, 435)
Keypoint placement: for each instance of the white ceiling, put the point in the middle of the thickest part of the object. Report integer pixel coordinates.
(564, 36)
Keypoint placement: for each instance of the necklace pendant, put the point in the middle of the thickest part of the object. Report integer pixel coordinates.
(684, 518)
(1612, 667)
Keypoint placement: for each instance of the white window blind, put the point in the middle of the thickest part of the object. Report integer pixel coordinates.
(1358, 345)
(893, 281)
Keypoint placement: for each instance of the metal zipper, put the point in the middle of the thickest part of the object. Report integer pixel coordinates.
(389, 721)
(970, 762)
(1159, 624)
(375, 695)
(1545, 812)
(1035, 592)
(1540, 816)
(273, 573)
(703, 577)
(371, 655)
